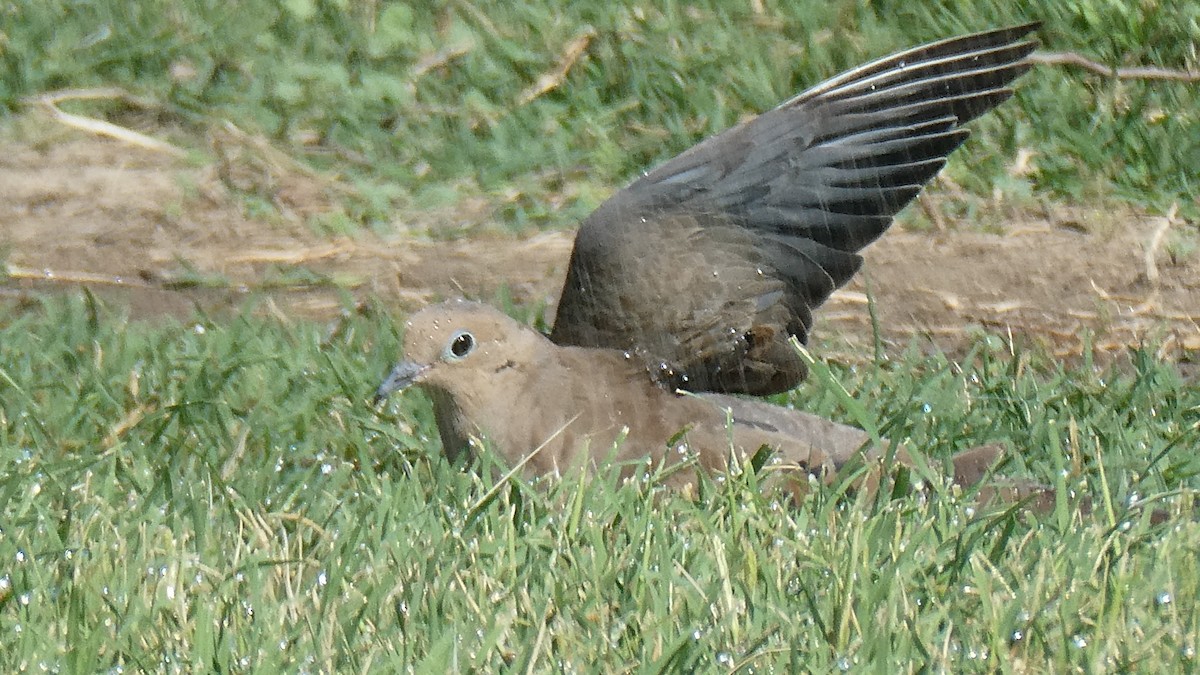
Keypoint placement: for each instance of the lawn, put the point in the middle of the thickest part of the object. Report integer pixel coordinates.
(219, 495)
(214, 491)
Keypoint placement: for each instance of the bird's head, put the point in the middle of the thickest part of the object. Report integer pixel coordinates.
(452, 345)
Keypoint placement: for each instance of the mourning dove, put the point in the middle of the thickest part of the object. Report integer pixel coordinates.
(707, 265)
(551, 409)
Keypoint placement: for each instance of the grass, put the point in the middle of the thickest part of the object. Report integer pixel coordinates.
(218, 495)
(417, 109)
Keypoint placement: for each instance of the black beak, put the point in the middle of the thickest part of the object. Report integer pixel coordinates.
(401, 377)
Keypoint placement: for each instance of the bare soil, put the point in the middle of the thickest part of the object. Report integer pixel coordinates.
(166, 235)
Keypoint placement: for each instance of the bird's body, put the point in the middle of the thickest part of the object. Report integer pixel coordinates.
(702, 271)
(553, 409)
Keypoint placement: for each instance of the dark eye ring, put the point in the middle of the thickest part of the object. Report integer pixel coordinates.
(461, 344)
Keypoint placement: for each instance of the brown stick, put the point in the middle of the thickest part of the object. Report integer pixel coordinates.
(49, 101)
(553, 80)
(1136, 73)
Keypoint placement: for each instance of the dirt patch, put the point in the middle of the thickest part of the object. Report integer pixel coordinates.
(166, 235)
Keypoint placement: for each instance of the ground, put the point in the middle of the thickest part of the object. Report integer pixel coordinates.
(166, 233)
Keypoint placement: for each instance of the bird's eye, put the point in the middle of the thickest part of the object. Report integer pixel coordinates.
(460, 345)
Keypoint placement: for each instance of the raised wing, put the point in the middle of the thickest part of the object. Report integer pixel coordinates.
(709, 263)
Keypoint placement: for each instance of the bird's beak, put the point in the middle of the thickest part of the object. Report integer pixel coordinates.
(401, 377)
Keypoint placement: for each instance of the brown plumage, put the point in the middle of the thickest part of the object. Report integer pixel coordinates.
(554, 409)
(707, 265)
(701, 271)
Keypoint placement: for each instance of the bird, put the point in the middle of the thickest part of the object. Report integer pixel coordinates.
(686, 289)
(707, 266)
(550, 409)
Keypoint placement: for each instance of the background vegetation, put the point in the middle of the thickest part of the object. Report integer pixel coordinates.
(421, 103)
(216, 494)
